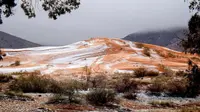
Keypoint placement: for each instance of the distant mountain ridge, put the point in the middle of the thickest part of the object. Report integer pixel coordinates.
(10, 41)
(167, 38)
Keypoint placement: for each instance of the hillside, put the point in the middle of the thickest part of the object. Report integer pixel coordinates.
(101, 55)
(167, 38)
(10, 41)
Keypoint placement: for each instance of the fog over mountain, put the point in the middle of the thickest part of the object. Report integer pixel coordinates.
(98, 18)
(169, 38)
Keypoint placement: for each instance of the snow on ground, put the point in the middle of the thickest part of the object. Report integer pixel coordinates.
(82, 63)
(27, 69)
(123, 71)
(80, 54)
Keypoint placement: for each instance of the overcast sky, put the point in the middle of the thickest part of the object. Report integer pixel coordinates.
(99, 18)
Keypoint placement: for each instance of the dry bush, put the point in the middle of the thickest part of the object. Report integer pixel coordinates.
(159, 84)
(163, 104)
(190, 109)
(196, 59)
(13, 94)
(130, 96)
(34, 83)
(146, 51)
(139, 45)
(181, 74)
(177, 87)
(142, 72)
(171, 55)
(5, 78)
(99, 81)
(126, 84)
(101, 97)
(169, 85)
(16, 63)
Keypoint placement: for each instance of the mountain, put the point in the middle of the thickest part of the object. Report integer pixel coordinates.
(167, 38)
(100, 55)
(10, 41)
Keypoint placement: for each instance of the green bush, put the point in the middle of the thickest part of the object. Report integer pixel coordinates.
(101, 96)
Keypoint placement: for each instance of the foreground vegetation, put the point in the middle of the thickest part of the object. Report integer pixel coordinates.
(100, 90)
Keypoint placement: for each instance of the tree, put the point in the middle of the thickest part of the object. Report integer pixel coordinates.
(194, 5)
(191, 43)
(54, 8)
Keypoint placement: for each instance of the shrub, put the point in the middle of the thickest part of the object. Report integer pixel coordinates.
(169, 54)
(181, 73)
(146, 51)
(17, 63)
(130, 96)
(159, 84)
(125, 84)
(99, 81)
(139, 45)
(5, 78)
(169, 85)
(162, 104)
(12, 94)
(101, 96)
(190, 109)
(152, 73)
(177, 87)
(62, 99)
(56, 99)
(34, 83)
(140, 72)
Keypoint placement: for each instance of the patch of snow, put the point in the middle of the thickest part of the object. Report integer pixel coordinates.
(82, 63)
(80, 53)
(124, 71)
(27, 69)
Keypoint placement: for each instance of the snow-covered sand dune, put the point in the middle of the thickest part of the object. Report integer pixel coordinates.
(99, 54)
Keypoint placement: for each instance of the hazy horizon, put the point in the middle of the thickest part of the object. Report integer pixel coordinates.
(113, 18)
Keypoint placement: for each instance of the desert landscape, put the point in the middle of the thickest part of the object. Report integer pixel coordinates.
(134, 76)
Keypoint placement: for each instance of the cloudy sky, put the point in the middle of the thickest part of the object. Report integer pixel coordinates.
(99, 18)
